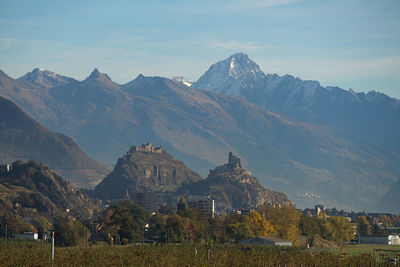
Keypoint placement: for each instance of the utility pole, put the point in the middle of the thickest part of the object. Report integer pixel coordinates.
(52, 245)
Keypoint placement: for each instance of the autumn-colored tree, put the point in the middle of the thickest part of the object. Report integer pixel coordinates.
(337, 229)
(181, 206)
(177, 229)
(363, 226)
(259, 225)
(385, 220)
(285, 220)
(242, 227)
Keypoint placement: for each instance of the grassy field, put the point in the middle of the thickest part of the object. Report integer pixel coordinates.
(30, 254)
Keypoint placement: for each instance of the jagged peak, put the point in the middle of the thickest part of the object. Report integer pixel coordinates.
(236, 71)
(96, 75)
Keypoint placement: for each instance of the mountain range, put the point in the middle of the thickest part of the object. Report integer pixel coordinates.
(374, 116)
(311, 163)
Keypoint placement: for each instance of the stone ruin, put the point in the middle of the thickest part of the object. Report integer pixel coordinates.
(146, 148)
(234, 164)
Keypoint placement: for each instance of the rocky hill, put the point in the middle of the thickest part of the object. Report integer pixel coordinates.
(21, 137)
(374, 116)
(310, 163)
(143, 169)
(29, 189)
(234, 186)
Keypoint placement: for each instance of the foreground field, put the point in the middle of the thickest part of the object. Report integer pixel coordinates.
(361, 249)
(179, 255)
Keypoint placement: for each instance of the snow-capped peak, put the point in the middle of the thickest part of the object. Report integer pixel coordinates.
(233, 71)
(183, 80)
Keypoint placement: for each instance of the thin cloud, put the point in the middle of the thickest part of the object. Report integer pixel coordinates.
(6, 43)
(262, 3)
(233, 45)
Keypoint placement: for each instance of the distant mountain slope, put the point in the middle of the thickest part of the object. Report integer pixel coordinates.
(32, 189)
(374, 115)
(391, 200)
(309, 163)
(235, 187)
(21, 137)
(45, 78)
(145, 170)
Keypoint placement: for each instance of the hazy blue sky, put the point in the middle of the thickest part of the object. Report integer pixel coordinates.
(350, 43)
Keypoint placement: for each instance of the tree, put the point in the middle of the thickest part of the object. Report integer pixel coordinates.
(42, 224)
(239, 231)
(310, 226)
(181, 206)
(260, 226)
(126, 219)
(157, 228)
(70, 233)
(242, 227)
(285, 220)
(218, 226)
(338, 229)
(363, 226)
(199, 225)
(177, 229)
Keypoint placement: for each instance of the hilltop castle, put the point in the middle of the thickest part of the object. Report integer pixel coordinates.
(146, 148)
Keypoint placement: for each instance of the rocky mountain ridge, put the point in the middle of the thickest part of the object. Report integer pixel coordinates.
(372, 115)
(235, 187)
(45, 78)
(30, 189)
(23, 138)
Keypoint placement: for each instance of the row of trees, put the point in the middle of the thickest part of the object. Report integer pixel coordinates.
(127, 222)
(333, 228)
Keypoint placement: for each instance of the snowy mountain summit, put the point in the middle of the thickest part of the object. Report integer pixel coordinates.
(44, 78)
(232, 75)
(182, 80)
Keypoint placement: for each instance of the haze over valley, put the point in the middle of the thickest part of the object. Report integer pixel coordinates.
(316, 144)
